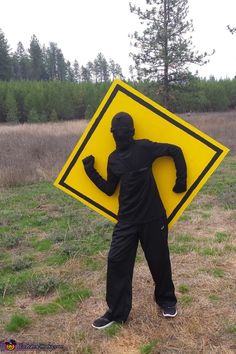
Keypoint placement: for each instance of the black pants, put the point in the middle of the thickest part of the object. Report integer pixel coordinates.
(121, 258)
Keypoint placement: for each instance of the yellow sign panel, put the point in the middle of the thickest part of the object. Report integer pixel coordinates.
(151, 121)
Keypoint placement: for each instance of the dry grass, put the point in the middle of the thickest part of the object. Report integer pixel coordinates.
(220, 126)
(34, 152)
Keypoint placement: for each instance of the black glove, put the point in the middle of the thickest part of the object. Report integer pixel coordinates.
(88, 162)
(179, 187)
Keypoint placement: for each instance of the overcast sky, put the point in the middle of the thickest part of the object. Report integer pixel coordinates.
(83, 28)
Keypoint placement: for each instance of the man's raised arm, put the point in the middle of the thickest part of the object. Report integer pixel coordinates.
(106, 186)
(159, 149)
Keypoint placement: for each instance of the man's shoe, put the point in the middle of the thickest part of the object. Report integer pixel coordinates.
(104, 321)
(169, 311)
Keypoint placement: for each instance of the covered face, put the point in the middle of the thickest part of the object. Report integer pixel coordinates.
(122, 128)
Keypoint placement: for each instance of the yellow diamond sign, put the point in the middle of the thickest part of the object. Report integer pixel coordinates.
(153, 122)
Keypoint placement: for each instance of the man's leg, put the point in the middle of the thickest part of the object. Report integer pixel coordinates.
(121, 260)
(154, 241)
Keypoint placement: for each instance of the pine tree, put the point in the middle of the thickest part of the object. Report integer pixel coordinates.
(61, 65)
(55, 63)
(165, 49)
(21, 63)
(69, 72)
(96, 69)
(115, 70)
(5, 58)
(102, 68)
(38, 71)
(118, 71)
(51, 61)
(86, 73)
(76, 69)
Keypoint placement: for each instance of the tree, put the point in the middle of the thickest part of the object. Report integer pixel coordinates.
(69, 72)
(38, 71)
(55, 63)
(86, 75)
(61, 65)
(115, 70)
(21, 63)
(164, 49)
(76, 69)
(101, 68)
(96, 69)
(51, 61)
(5, 58)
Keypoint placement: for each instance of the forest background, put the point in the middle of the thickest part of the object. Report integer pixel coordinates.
(40, 85)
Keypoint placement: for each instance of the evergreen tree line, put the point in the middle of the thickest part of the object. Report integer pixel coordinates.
(35, 101)
(39, 62)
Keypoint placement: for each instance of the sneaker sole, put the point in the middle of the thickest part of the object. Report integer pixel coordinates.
(107, 325)
(167, 315)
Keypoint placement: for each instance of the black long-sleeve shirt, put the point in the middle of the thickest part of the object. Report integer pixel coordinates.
(139, 199)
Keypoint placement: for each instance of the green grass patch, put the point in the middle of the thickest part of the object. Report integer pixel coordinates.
(181, 248)
(184, 238)
(231, 328)
(148, 348)
(185, 217)
(47, 309)
(4, 256)
(67, 301)
(87, 350)
(218, 272)
(230, 248)
(139, 258)
(43, 245)
(12, 284)
(213, 297)
(221, 237)
(207, 206)
(17, 323)
(183, 288)
(93, 264)
(113, 329)
(56, 259)
(70, 299)
(210, 251)
(94, 244)
(186, 300)
(8, 300)
(222, 183)
(205, 215)
(22, 212)
(192, 206)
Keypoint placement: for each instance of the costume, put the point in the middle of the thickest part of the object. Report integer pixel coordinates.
(141, 215)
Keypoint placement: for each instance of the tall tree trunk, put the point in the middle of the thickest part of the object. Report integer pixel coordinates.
(166, 64)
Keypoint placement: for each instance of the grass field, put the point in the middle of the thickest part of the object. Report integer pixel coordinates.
(53, 263)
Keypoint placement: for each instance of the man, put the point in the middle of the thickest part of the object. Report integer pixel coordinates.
(141, 216)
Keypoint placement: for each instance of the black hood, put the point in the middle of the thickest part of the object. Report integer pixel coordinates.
(122, 128)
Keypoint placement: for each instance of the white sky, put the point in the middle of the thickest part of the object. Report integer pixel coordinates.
(83, 28)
